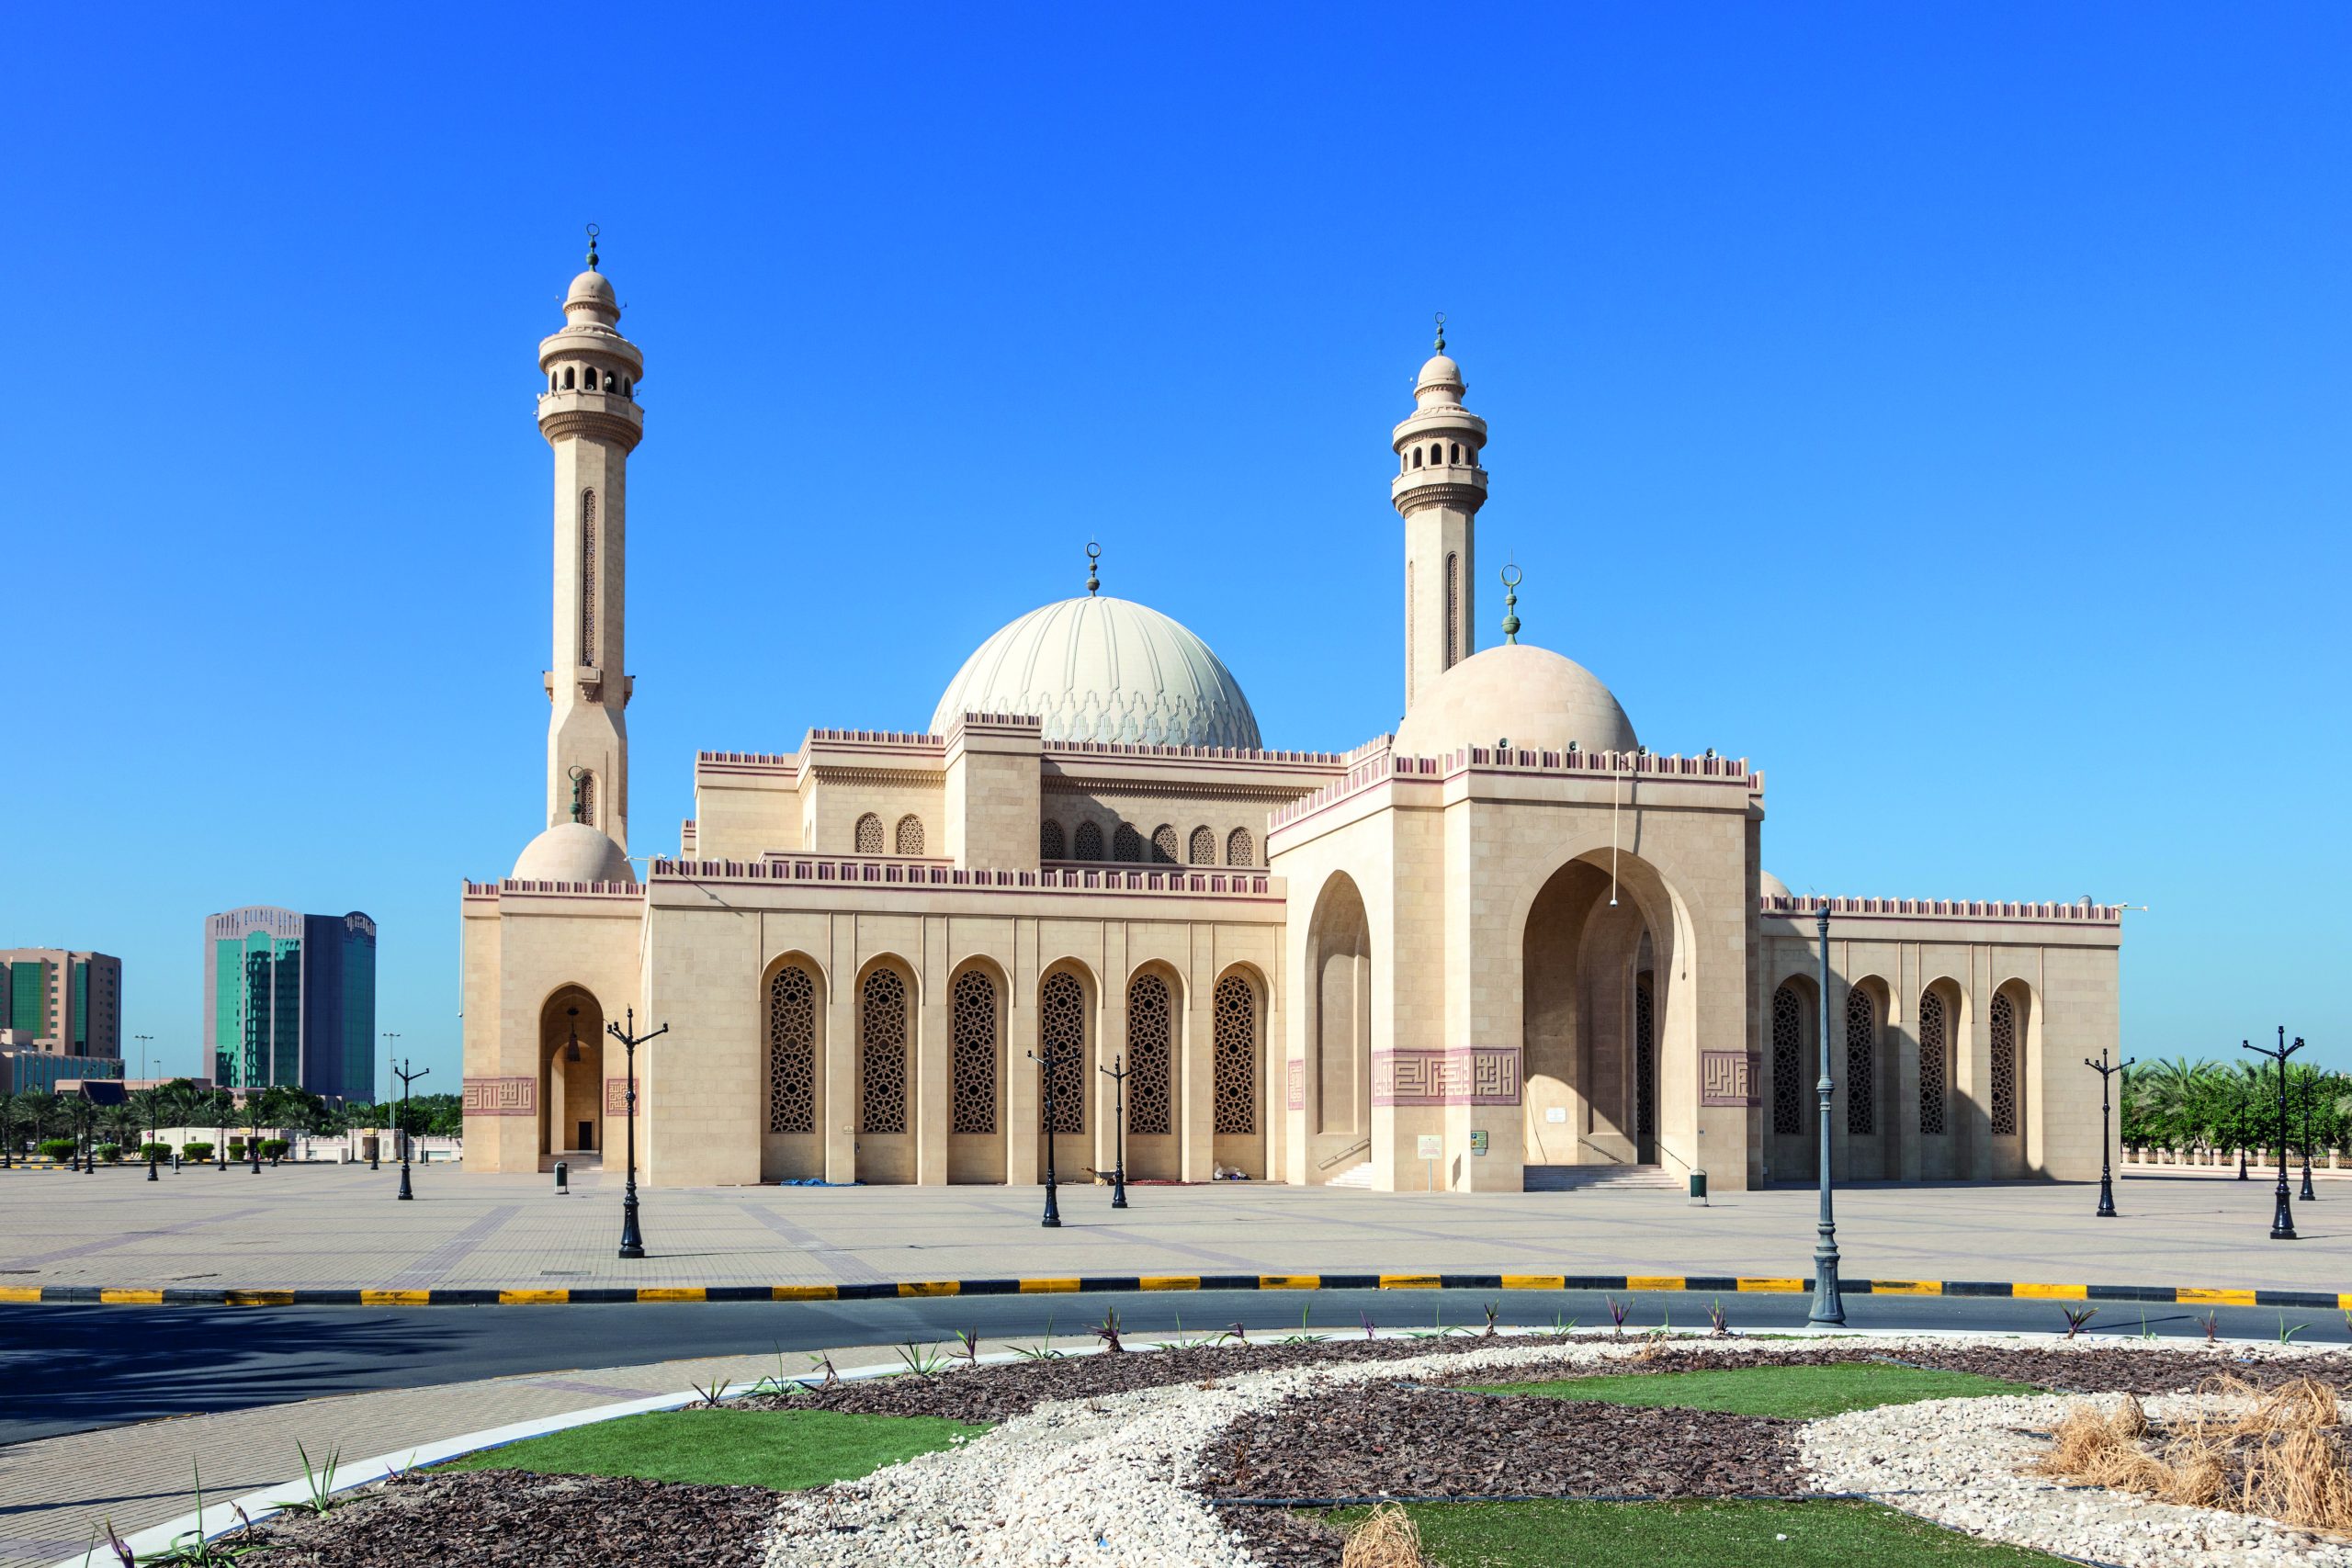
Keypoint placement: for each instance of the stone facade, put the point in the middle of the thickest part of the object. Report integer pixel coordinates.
(1504, 943)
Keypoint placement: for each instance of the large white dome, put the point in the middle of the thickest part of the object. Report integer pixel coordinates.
(1532, 696)
(573, 851)
(1103, 669)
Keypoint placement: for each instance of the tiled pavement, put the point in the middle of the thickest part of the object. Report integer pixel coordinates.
(54, 1492)
(328, 1227)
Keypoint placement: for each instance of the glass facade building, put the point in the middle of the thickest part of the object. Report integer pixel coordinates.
(291, 1000)
(61, 1001)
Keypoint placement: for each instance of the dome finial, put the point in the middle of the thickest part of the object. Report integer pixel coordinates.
(1440, 332)
(1093, 556)
(593, 232)
(1512, 578)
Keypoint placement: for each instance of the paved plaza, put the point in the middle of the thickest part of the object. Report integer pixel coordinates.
(339, 1227)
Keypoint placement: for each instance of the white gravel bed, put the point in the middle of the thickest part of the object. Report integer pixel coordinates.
(1100, 1481)
(1963, 1463)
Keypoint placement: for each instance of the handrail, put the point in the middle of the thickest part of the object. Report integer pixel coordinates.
(1361, 1147)
(1604, 1153)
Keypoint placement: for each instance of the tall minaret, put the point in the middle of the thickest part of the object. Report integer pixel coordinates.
(1438, 489)
(590, 416)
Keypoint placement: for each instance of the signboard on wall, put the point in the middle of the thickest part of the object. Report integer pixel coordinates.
(1477, 1140)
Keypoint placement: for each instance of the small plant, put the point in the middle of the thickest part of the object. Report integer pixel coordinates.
(1367, 1325)
(2286, 1334)
(2077, 1317)
(1617, 1310)
(114, 1543)
(1239, 1334)
(1562, 1325)
(1107, 1330)
(190, 1550)
(967, 1347)
(404, 1471)
(832, 1378)
(2145, 1331)
(111, 1153)
(318, 1485)
(200, 1153)
(1494, 1310)
(2212, 1323)
(1718, 1320)
(1306, 1336)
(1046, 1352)
(59, 1148)
(921, 1360)
(709, 1394)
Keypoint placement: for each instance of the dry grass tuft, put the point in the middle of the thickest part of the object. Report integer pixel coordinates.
(2281, 1454)
(1386, 1538)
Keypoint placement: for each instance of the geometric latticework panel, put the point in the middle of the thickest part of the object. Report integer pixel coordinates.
(1061, 1029)
(1150, 1050)
(792, 1050)
(1126, 843)
(882, 1055)
(588, 649)
(1931, 1062)
(1203, 847)
(2005, 1065)
(1164, 848)
(1788, 1061)
(1049, 841)
(909, 835)
(869, 834)
(1645, 1060)
(973, 1003)
(1861, 1042)
(1088, 845)
(1236, 1054)
(1240, 849)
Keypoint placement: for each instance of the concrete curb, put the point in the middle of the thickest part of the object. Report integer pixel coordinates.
(1703, 1284)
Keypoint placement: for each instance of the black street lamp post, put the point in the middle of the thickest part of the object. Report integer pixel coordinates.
(154, 1126)
(1118, 1077)
(1046, 1065)
(632, 1240)
(89, 1141)
(1827, 1306)
(376, 1150)
(2308, 1195)
(2241, 1136)
(2282, 1217)
(2106, 1172)
(222, 1108)
(406, 1078)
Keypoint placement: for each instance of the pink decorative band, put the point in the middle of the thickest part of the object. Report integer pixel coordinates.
(616, 1097)
(500, 1097)
(1472, 1075)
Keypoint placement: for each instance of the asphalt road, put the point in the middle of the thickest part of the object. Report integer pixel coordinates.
(69, 1369)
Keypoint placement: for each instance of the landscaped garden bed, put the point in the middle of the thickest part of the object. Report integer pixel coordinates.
(1507, 1450)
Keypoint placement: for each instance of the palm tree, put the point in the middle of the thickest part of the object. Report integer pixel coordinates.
(42, 1111)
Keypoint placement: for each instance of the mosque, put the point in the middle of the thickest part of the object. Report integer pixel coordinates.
(1508, 947)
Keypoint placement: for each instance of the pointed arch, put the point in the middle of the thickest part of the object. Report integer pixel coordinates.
(885, 1042)
(1088, 841)
(1861, 1061)
(1051, 843)
(1152, 1051)
(1202, 849)
(2007, 1034)
(1788, 1061)
(1126, 844)
(1240, 848)
(907, 838)
(976, 1014)
(1165, 848)
(793, 1014)
(869, 834)
(1935, 1063)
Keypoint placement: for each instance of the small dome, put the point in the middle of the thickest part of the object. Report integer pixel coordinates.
(1531, 696)
(1440, 375)
(591, 286)
(1771, 887)
(573, 851)
(1103, 669)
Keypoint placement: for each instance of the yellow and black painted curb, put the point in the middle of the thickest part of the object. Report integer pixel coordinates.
(1702, 1284)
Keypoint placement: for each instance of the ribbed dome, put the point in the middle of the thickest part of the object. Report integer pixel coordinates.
(573, 851)
(1103, 669)
(1531, 696)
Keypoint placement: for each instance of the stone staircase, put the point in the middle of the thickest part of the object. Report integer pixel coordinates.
(1357, 1177)
(1588, 1178)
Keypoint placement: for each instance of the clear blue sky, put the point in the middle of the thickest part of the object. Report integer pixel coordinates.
(1944, 407)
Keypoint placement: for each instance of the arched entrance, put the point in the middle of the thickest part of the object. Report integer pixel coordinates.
(1339, 1032)
(1155, 999)
(1602, 1027)
(572, 1078)
(1065, 1037)
(1793, 1062)
(1238, 1067)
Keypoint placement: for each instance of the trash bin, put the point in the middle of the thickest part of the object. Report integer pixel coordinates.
(1699, 1187)
(562, 1180)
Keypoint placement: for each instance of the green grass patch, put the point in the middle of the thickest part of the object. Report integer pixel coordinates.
(1803, 1393)
(1693, 1535)
(784, 1450)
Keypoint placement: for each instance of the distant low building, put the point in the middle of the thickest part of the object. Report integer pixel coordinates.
(291, 1000)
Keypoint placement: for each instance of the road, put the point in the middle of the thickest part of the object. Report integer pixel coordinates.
(69, 1369)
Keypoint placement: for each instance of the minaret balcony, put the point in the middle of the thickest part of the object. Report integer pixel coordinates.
(1439, 484)
(607, 416)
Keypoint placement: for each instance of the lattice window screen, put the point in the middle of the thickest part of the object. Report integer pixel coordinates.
(588, 798)
(909, 835)
(973, 1002)
(1061, 1026)
(1203, 848)
(1861, 1063)
(1237, 1055)
(2005, 1065)
(1049, 841)
(1932, 1047)
(869, 834)
(792, 1050)
(1150, 1049)
(1126, 844)
(1090, 841)
(588, 577)
(1452, 611)
(1165, 850)
(1788, 1061)
(1240, 848)
(882, 1056)
(1645, 1061)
